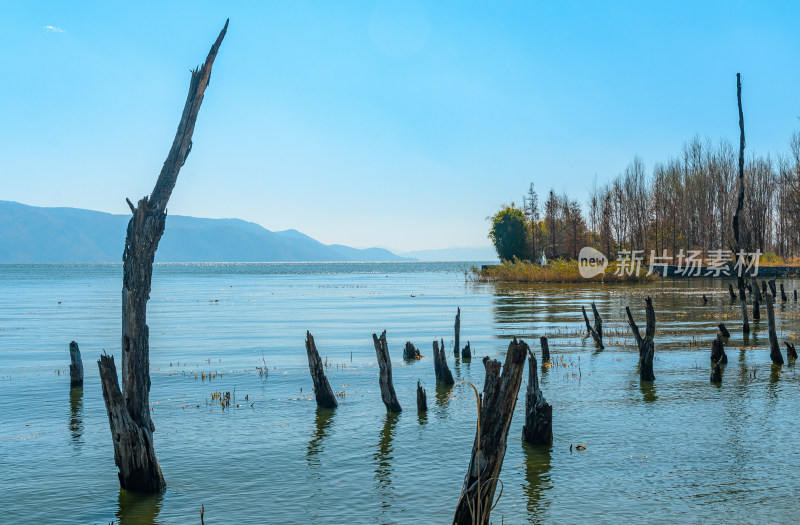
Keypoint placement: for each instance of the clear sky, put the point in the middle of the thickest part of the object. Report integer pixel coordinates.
(401, 124)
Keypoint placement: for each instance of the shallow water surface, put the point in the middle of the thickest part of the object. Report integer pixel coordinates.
(677, 450)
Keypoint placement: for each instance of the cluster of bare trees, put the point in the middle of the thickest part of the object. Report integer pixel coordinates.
(686, 202)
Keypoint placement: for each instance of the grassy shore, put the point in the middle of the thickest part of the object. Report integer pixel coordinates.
(556, 271)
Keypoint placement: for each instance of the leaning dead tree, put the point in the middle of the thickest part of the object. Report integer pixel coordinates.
(739, 204)
(645, 344)
(75, 365)
(322, 389)
(495, 410)
(129, 409)
(440, 368)
(538, 427)
(595, 331)
(457, 328)
(385, 380)
(774, 347)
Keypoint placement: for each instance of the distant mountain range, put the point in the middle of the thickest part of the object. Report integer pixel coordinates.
(29, 234)
(478, 253)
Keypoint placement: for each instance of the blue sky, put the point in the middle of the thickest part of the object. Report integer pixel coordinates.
(398, 124)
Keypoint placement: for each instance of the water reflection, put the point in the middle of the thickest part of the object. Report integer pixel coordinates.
(322, 423)
(442, 393)
(138, 509)
(648, 389)
(537, 481)
(383, 460)
(76, 415)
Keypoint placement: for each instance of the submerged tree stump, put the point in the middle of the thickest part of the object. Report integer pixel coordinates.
(772, 288)
(388, 395)
(457, 328)
(716, 373)
(422, 398)
(718, 354)
(129, 409)
(597, 336)
(783, 294)
(545, 349)
(705, 299)
(756, 302)
(75, 365)
(795, 296)
(723, 330)
(322, 389)
(410, 352)
(538, 427)
(495, 410)
(645, 344)
(440, 368)
(774, 347)
(791, 353)
(466, 353)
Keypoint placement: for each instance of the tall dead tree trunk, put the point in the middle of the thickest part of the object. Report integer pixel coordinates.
(774, 347)
(129, 414)
(495, 410)
(457, 327)
(538, 427)
(322, 389)
(75, 365)
(440, 368)
(385, 380)
(739, 204)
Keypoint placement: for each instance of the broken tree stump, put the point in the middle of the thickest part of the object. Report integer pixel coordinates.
(598, 338)
(791, 353)
(705, 299)
(322, 389)
(731, 292)
(457, 328)
(410, 352)
(783, 294)
(716, 373)
(75, 365)
(645, 344)
(422, 398)
(763, 286)
(495, 410)
(723, 330)
(466, 353)
(388, 395)
(440, 368)
(772, 288)
(774, 347)
(718, 354)
(129, 409)
(756, 301)
(795, 296)
(545, 349)
(538, 427)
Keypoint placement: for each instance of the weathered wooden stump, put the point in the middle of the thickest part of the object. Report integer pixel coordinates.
(645, 344)
(495, 410)
(791, 353)
(457, 328)
(718, 354)
(597, 336)
(731, 292)
(410, 352)
(774, 347)
(783, 294)
(723, 330)
(466, 353)
(75, 365)
(443, 374)
(545, 349)
(322, 389)
(795, 296)
(716, 373)
(538, 427)
(129, 409)
(388, 395)
(422, 398)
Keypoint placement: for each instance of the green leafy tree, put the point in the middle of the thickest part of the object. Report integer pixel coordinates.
(509, 233)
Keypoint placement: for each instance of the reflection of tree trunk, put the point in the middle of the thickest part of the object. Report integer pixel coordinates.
(383, 456)
(76, 414)
(138, 509)
(322, 422)
(129, 409)
(537, 481)
(489, 448)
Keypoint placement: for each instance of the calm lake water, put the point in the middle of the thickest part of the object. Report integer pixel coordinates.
(679, 450)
